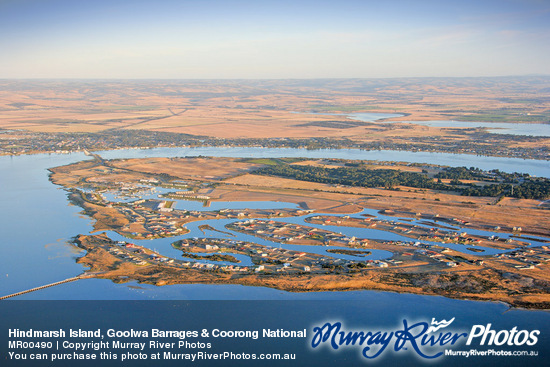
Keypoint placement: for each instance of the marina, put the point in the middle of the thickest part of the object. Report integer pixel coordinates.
(221, 229)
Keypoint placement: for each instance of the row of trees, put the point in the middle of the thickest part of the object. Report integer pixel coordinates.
(539, 189)
(353, 176)
(472, 173)
(529, 188)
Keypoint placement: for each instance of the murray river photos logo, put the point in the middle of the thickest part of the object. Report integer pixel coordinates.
(427, 340)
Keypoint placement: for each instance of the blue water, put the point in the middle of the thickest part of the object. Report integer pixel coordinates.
(531, 166)
(164, 248)
(493, 127)
(383, 235)
(372, 116)
(38, 222)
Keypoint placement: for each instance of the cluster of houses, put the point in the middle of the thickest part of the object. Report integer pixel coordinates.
(423, 233)
(527, 258)
(155, 223)
(128, 255)
(289, 232)
(158, 219)
(438, 256)
(185, 195)
(265, 257)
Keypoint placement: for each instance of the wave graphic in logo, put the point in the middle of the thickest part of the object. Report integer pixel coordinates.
(439, 325)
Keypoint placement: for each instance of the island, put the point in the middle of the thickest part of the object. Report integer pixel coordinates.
(419, 228)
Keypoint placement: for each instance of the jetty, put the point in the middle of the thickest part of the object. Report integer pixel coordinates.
(82, 276)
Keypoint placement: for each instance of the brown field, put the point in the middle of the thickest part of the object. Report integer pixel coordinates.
(234, 183)
(89, 171)
(480, 211)
(230, 179)
(266, 109)
(188, 168)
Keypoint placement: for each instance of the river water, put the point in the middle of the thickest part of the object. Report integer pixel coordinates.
(525, 129)
(38, 222)
(531, 166)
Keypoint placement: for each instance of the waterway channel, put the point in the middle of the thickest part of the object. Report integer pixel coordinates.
(38, 222)
(524, 129)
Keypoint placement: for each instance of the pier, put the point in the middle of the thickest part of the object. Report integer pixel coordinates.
(82, 276)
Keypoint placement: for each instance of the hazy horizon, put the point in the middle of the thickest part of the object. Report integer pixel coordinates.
(273, 79)
(212, 39)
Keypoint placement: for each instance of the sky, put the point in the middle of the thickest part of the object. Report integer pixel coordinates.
(265, 39)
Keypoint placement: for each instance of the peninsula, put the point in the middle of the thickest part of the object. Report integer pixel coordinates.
(301, 225)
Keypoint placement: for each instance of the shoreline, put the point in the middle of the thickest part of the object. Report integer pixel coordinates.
(255, 145)
(412, 267)
(336, 282)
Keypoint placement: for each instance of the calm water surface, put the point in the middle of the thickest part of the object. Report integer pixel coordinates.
(493, 127)
(531, 166)
(38, 222)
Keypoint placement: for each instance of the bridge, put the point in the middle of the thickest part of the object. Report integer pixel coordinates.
(82, 276)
